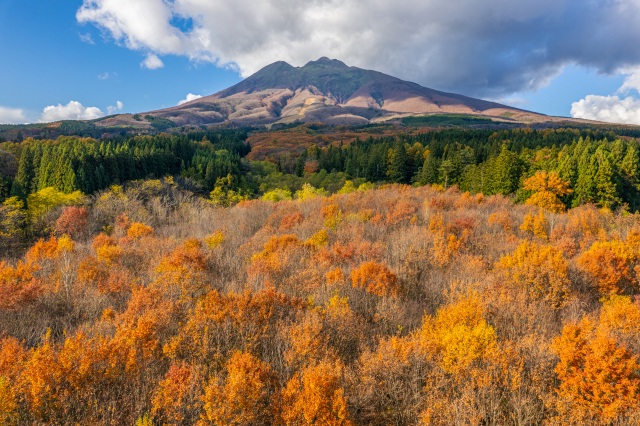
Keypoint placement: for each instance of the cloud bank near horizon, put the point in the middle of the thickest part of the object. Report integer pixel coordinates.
(74, 110)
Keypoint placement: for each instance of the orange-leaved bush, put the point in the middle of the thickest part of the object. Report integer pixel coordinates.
(376, 278)
(599, 379)
(315, 396)
(611, 266)
(547, 189)
(248, 395)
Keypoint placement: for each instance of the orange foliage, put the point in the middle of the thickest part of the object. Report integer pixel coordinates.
(18, 286)
(307, 340)
(376, 278)
(599, 379)
(401, 212)
(291, 220)
(138, 230)
(73, 221)
(182, 273)
(547, 188)
(248, 395)
(175, 401)
(102, 239)
(502, 218)
(275, 256)
(611, 265)
(332, 216)
(445, 248)
(335, 277)
(537, 225)
(222, 322)
(315, 397)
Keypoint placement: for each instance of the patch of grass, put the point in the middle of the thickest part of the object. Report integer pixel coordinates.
(445, 120)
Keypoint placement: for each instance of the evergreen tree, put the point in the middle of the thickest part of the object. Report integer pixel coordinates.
(397, 163)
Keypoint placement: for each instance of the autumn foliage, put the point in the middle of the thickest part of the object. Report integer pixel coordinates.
(397, 305)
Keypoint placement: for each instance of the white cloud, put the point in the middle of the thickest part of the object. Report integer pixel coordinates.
(616, 108)
(152, 62)
(86, 38)
(190, 97)
(72, 111)
(632, 81)
(12, 116)
(113, 109)
(610, 109)
(478, 47)
(104, 76)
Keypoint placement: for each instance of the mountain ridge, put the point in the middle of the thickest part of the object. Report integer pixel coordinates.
(325, 90)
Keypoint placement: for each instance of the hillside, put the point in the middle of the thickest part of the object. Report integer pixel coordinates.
(325, 91)
(396, 305)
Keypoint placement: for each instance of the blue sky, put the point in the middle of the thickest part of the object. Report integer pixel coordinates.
(140, 55)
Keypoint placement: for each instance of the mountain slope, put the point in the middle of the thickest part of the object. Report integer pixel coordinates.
(325, 90)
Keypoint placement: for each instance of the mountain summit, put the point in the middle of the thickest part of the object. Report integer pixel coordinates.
(325, 90)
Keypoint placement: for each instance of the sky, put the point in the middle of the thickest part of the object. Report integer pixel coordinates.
(83, 59)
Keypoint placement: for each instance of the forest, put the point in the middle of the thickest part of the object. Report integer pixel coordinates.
(453, 277)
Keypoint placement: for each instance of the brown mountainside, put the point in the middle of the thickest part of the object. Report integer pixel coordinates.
(325, 90)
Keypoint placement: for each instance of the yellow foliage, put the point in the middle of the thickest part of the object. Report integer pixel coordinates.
(109, 253)
(319, 239)
(458, 335)
(138, 230)
(537, 225)
(538, 270)
(277, 194)
(547, 188)
(214, 240)
(308, 192)
(338, 307)
(8, 404)
(332, 216)
(621, 314)
(49, 198)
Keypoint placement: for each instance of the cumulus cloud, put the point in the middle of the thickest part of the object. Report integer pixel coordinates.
(190, 97)
(113, 109)
(72, 111)
(478, 47)
(610, 109)
(12, 116)
(152, 62)
(613, 109)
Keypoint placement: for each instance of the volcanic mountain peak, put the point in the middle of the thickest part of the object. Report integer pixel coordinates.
(325, 90)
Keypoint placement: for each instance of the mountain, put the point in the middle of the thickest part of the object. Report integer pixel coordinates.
(325, 90)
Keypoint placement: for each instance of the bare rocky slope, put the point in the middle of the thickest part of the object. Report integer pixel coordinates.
(325, 90)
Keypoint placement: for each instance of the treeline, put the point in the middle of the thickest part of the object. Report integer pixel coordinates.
(88, 165)
(599, 167)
